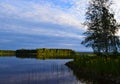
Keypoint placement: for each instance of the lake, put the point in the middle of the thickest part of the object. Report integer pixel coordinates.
(15, 70)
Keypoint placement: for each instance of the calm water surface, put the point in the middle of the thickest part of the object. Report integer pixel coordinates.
(33, 71)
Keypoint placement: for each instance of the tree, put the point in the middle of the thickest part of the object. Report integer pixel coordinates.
(102, 28)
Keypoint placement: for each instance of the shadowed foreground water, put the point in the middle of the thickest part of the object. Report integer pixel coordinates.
(32, 71)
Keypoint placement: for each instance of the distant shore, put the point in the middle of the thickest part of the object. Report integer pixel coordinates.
(41, 53)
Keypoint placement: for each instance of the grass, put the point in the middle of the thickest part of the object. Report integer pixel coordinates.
(94, 67)
(85, 54)
(99, 65)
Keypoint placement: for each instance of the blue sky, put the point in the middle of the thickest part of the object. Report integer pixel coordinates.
(35, 24)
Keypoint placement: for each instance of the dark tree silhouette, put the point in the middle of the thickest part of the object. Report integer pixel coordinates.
(102, 28)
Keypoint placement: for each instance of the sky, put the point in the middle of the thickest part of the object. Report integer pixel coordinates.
(32, 24)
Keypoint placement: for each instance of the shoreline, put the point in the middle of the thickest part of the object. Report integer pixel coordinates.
(89, 77)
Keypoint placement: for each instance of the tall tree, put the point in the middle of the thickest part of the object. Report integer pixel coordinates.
(102, 28)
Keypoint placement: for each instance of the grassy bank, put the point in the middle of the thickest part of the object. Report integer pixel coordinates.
(95, 68)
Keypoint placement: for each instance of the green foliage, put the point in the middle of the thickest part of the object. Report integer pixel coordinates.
(85, 54)
(7, 53)
(102, 28)
(45, 53)
(55, 53)
(107, 66)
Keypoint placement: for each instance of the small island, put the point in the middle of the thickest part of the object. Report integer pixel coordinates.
(41, 53)
(46, 53)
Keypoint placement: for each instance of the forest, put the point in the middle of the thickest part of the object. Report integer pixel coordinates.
(45, 53)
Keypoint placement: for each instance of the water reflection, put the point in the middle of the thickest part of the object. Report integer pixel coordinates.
(32, 71)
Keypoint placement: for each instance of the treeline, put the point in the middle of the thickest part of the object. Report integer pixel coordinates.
(26, 53)
(55, 53)
(7, 53)
(45, 53)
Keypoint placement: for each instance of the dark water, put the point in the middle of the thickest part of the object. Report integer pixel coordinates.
(32, 71)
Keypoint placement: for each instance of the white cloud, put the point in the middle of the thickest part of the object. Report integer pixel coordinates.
(41, 13)
(39, 31)
(50, 13)
(36, 12)
(8, 10)
(69, 44)
(5, 40)
(55, 15)
(7, 7)
(116, 9)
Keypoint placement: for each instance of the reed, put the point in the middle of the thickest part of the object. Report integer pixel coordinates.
(96, 69)
(99, 65)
